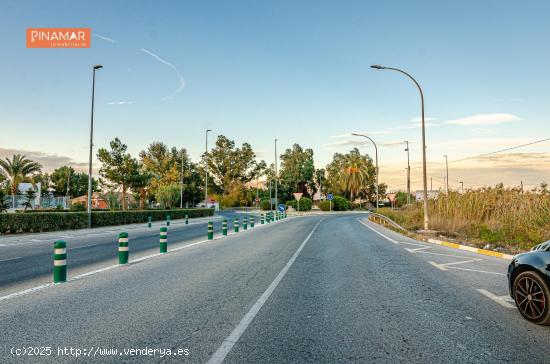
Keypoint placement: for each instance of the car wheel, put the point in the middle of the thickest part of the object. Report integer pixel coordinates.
(532, 296)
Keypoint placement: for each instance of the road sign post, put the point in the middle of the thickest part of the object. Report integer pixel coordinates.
(330, 197)
(164, 239)
(59, 262)
(298, 196)
(123, 249)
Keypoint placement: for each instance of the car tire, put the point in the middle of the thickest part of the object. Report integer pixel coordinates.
(532, 297)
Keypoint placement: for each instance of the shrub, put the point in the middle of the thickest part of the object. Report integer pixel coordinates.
(168, 196)
(305, 204)
(338, 204)
(54, 221)
(265, 205)
(77, 207)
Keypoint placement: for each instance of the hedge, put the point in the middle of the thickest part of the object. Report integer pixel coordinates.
(338, 204)
(54, 221)
(265, 205)
(305, 204)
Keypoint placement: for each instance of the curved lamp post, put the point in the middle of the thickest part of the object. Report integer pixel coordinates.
(424, 176)
(206, 168)
(376, 153)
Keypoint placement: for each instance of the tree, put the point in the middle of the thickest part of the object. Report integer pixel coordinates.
(164, 167)
(45, 183)
(229, 164)
(169, 196)
(30, 195)
(297, 170)
(18, 169)
(355, 173)
(118, 168)
(77, 182)
(3, 202)
(320, 181)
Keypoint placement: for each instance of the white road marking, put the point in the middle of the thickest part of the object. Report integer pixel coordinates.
(417, 250)
(379, 233)
(415, 244)
(450, 255)
(20, 293)
(478, 271)
(501, 300)
(444, 266)
(8, 260)
(237, 332)
(85, 246)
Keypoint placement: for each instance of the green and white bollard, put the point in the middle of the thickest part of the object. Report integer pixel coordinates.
(123, 248)
(251, 221)
(59, 262)
(186, 219)
(167, 220)
(245, 222)
(236, 225)
(149, 221)
(224, 227)
(164, 239)
(261, 219)
(268, 217)
(210, 230)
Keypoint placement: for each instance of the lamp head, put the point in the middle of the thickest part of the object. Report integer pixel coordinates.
(377, 66)
(97, 66)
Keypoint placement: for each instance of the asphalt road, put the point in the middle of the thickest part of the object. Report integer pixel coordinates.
(26, 260)
(304, 290)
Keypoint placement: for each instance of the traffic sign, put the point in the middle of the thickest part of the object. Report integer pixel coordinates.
(330, 197)
(282, 207)
(298, 195)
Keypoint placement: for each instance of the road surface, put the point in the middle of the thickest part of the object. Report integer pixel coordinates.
(318, 289)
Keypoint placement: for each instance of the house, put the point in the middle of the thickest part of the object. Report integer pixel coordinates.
(98, 201)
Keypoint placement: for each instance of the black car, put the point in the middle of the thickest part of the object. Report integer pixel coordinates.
(529, 282)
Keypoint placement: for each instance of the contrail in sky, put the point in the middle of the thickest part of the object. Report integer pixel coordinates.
(110, 40)
(178, 74)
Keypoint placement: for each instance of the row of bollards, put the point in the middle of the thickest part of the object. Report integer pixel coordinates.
(60, 246)
(168, 218)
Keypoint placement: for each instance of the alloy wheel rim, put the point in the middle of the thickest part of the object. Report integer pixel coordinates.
(530, 298)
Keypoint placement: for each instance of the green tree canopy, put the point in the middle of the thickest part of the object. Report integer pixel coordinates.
(297, 170)
(119, 169)
(77, 181)
(18, 169)
(229, 164)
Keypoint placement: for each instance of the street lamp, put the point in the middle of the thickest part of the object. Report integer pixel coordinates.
(89, 208)
(206, 163)
(376, 153)
(181, 181)
(424, 174)
(276, 177)
(408, 174)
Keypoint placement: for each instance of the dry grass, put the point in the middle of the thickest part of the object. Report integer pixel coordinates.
(505, 218)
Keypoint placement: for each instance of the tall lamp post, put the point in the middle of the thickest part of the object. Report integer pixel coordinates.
(376, 153)
(424, 174)
(408, 174)
(181, 181)
(206, 168)
(89, 208)
(276, 177)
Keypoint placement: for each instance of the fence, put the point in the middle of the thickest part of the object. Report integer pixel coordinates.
(44, 202)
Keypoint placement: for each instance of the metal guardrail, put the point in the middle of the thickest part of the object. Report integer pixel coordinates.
(384, 220)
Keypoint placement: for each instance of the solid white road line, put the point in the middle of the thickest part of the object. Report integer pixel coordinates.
(501, 300)
(379, 233)
(8, 260)
(237, 332)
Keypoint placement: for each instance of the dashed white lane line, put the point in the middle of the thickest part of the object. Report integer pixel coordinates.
(237, 332)
(504, 301)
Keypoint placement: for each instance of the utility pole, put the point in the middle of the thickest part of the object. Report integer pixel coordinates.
(408, 175)
(431, 183)
(276, 177)
(89, 207)
(447, 167)
(181, 181)
(206, 167)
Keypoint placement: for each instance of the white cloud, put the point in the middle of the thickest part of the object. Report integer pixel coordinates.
(484, 119)
(181, 80)
(107, 39)
(121, 102)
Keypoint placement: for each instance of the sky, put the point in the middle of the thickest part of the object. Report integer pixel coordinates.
(297, 71)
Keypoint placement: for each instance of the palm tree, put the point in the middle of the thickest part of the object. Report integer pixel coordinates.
(18, 169)
(354, 174)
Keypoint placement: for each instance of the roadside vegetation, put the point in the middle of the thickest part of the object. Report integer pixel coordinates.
(505, 218)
